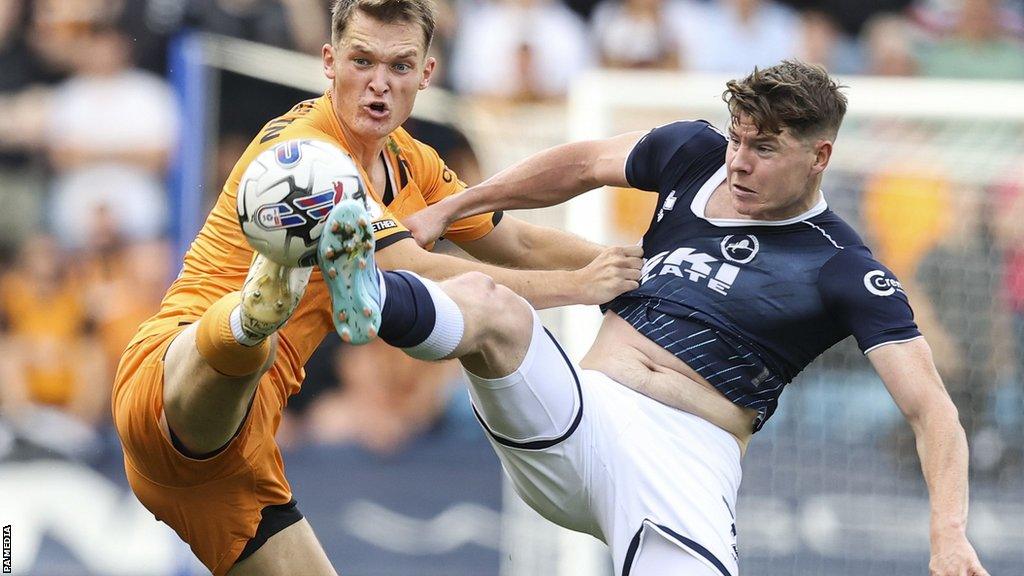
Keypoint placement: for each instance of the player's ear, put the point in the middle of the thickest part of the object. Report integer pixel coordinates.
(822, 155)
(327, 52)
(428, 70)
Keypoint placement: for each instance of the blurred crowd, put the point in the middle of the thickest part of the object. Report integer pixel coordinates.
(89, 128)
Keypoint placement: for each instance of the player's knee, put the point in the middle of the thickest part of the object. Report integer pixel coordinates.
(470, 284)
(509, 315)
(492, 309)
(472, 291)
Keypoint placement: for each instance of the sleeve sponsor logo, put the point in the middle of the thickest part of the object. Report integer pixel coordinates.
(877, 283)
(381, 225)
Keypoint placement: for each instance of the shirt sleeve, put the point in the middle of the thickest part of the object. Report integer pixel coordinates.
(387, 229)
(673, 146)
(438, 182)
(866, 299)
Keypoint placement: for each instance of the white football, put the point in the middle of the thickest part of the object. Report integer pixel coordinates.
(287, 192)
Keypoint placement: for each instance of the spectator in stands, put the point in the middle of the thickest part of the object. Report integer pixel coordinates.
(121, 282)
(850, 16)
(955, 305)
(293, 24)
(111, 129)
(21, 121)
(403, 398)
(1009, 236)
(825, 43)
(736, 35)
(57, 26)
(979, 44)
(638, 33)
(53, 385)
(906, 211)
(523, 50)
(889, 46)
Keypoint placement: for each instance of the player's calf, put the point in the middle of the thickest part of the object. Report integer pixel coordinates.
(212, 368)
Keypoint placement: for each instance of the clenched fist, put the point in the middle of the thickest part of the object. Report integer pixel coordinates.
(427, 225)
(614, 271)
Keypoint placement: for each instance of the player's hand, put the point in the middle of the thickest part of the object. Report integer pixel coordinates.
(428, 224)
(954, 556)
(614, 271)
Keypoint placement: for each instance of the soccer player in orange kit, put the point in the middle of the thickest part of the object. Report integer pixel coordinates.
(200, 389)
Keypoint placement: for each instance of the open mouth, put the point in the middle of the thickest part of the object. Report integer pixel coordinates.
(377, 109)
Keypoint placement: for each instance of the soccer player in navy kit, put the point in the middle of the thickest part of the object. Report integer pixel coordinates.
(748, 277)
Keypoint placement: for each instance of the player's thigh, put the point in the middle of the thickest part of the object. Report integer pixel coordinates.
(203, 407)
(659, 556)
(294, 550)
(537, 422)
(535, 404)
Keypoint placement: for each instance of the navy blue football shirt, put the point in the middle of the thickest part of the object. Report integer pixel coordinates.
(749, 304)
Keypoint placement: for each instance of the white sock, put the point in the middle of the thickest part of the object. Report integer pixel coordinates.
(448, 325)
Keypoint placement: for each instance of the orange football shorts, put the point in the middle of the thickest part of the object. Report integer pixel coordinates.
(213, 504)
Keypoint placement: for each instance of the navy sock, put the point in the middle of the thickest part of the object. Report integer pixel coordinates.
(408, 316)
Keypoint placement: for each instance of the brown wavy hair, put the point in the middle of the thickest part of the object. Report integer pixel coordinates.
(420, 12)
(791, 95)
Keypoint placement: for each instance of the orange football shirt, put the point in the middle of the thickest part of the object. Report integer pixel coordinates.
(219, 257)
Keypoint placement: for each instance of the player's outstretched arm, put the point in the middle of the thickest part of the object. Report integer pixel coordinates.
(910, 376)
(614, 271)
(514, 243)
(545, 179)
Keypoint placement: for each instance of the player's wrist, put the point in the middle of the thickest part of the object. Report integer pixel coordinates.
(458, 206)
(947, 528)
(579, 286)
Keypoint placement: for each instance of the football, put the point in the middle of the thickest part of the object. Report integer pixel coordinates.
(287, 192)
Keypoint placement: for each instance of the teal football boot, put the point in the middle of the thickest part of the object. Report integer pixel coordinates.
(345, 256)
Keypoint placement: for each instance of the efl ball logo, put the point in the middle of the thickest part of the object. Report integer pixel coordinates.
(286, 193)
(289, 153)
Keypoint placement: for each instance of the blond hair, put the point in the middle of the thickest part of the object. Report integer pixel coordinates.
(420, 12)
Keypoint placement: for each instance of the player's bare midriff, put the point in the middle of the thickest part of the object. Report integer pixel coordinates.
(634, 361)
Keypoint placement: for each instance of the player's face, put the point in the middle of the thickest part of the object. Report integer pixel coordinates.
(773, 176)
(376, 70)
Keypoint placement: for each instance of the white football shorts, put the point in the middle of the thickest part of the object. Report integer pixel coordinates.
(594, 456)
